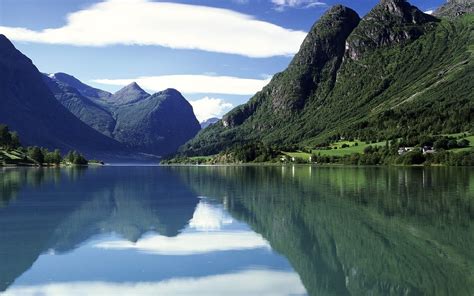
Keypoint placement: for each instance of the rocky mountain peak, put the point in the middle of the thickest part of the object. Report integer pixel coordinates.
(336, 23)
(130, 93)
(454, 8)
(323, 47)
(134, 85)
(389, 22)
(315, 64)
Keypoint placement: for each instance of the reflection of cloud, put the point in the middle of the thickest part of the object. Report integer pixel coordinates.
(250, 282)
(207, 217)
(191, 243)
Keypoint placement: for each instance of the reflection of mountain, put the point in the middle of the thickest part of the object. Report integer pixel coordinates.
(357, 231)
(61, 215)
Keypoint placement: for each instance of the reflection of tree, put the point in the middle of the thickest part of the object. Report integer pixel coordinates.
(69, 208)
(13, 180)
(379, 231)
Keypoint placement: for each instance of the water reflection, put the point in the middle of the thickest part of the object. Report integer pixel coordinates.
(249, 282)
(358, 231)
(237, 230)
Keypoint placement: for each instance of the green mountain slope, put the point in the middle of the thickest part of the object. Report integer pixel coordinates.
(395, 73)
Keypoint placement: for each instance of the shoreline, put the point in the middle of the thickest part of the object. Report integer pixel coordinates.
(304, 165)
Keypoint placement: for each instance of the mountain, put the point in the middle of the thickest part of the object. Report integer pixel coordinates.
(156, 124)
(454, 8)
(129, 94)
(208, 122)
(394, 73)
(28, 106)
(84, 89)
(391, 22)
(88, 111)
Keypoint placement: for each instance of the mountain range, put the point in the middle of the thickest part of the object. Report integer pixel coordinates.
(394, 73)
(28, 107)
(155, 124)
(59, 111)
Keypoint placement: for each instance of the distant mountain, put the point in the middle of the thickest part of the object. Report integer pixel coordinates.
(155, 124)
(87, 110)
(29, 107)
(209, 122)
(129, 94)
(158, 124)
(397, 72)
(84, 89)
(454, 8)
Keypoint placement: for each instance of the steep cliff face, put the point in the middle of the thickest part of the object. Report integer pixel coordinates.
(455, 8)
(390, 22)
(312, 70)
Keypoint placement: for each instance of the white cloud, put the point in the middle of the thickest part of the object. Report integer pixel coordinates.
(282, 4)
(207, 107)
(429, 11)
(194, 84)
(191, 243)
(248, 282)
(173, 25)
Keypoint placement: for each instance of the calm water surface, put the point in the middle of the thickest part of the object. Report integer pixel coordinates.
(237, 231)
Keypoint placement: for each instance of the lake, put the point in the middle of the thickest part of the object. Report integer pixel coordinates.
(237, 230)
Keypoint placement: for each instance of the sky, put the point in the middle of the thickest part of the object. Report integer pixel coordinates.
(217, 53)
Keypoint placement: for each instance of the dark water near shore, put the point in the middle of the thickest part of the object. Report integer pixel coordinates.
(237, 231)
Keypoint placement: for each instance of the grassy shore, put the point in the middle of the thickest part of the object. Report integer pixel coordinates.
(341, 151)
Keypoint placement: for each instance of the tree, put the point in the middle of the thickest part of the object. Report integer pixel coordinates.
(441, 144)
(5, 136)
(79, 159)
(75, 157)
(368, 150)
(53, 157)
(70, 157)
(36, 154)
(15, 140)
(464, 143)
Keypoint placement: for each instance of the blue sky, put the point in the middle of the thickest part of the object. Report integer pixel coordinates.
(216, 52)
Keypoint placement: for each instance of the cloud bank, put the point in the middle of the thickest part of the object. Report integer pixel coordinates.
(194, 84)
(207, 107)
(282, 4)
(173, 25)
